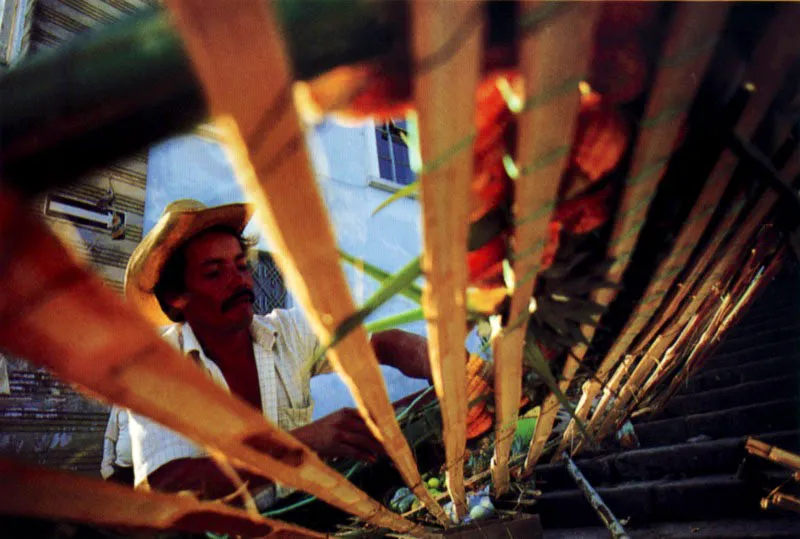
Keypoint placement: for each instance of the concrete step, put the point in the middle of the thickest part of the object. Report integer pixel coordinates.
(780, 387)
(718, 377)
(699, 498)
(755, 351)
(740, 421)
(754, 321)
(677, 461)
(734, 342)
(765, 309)
(776, 527)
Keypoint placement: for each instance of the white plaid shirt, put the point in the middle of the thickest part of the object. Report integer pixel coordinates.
(285, 348)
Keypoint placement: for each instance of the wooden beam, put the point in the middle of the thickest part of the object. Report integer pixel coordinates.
(549, 61)
(253, 98)
(446, 111)
(58, 495)
(112, 352)
(694, 27)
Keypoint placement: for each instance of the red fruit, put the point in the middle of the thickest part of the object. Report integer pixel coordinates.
(485, 265)
(583, 214)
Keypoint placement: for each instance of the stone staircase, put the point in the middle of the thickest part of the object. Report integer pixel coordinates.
(688, 480)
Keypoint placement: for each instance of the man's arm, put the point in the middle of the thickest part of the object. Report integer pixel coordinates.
(201, 476)
(404, 351)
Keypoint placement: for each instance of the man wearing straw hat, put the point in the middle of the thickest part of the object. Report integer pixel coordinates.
(191, 271)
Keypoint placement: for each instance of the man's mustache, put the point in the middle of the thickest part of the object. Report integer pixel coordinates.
(240, 294)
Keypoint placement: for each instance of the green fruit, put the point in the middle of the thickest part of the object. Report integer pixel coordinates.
(434, 482)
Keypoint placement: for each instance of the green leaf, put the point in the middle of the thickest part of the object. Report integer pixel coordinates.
(408, 190)
(412, 291)
(391, 286)
(537, 362)
(394, 321)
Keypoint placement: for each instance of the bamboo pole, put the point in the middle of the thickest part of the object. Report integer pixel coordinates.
(773, 57)
(782, 500)
(597, 503)
(58, 495)
(111, 352)
(673, 92)
(252, 97)
(445, 124)
(775, 454)
(548, 62)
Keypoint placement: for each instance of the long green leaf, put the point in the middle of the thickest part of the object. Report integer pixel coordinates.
(408, 190)
(412, 291)
(393, 321)
(391, 287)
(537, 362)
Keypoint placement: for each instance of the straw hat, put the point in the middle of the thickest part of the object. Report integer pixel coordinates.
(180, 221)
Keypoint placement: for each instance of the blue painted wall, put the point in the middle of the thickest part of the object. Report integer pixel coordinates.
(345, 159)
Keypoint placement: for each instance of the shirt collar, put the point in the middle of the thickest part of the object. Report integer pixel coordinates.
(262, 330)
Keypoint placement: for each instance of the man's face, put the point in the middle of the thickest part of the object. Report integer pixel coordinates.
(218, 284)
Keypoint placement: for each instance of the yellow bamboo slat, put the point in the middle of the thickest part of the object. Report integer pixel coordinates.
(111, 352)
(445, 120)
(266, 140)
(58, 495)
(549, 61)
(772, 58)
(687, 51)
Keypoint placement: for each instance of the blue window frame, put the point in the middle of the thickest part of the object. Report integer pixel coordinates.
(393, 161)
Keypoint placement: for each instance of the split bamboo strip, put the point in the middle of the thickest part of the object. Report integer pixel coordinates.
(445, 119)
(679, 379)
(694, 28)
(548, 61)
(58, 495)
(610, 391)
(591, 388)
(678, 351)
(697, 356)
(267, 145)
(646, 365)
(671, 355)
(773, 57)
(113, 353)
(775, 454)
(742, 303)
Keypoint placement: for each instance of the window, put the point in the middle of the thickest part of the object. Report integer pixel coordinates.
(270, 290)
(393, 159)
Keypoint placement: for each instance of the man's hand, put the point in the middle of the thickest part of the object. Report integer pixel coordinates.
(341, 434)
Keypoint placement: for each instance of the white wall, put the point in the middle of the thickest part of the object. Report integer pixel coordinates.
(346, 161)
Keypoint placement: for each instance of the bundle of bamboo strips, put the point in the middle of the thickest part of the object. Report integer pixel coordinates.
(113, 353)
(761, 74)
(549, 63)
(446, 121)
(673, 91)
(267, 143)
(28, 490)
